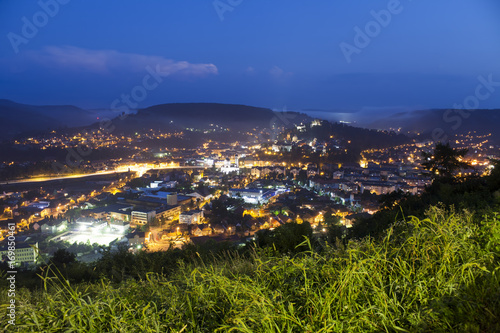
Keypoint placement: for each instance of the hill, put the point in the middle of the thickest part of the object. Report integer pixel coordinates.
(451, 121)
(26, 120)
(18, 119)
(205, 115)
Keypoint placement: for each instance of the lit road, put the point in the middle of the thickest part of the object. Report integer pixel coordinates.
(45, 179)
(140, 169)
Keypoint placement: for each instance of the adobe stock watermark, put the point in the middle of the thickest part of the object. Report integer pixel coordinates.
(279, 119)
(364, 36)
(460, 111)
(11, 274)
(223, 6)
(30, 28)
(124, 104)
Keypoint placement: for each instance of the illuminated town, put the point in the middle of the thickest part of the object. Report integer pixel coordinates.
(163, 197)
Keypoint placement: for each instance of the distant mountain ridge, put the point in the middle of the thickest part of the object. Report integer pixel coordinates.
(17, 119)
(450, 121)
(21, 119)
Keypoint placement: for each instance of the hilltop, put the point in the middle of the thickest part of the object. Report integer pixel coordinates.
(206, 115)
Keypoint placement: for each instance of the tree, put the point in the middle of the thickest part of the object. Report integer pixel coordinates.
(73, 214)
(445, 161)
(137, 182)
(286, 238)
(302, 177)
(334, 227)
(30, 195)
(389, 200)
(63, 257)
(494, 177)
(329, 219)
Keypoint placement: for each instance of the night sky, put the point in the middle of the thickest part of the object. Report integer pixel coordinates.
(294, 54)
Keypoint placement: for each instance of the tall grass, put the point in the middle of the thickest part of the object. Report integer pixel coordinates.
(437, 274)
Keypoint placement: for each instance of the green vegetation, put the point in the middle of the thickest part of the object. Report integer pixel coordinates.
(435, 274)
(286, 239)
(480, 195)
(444, 161)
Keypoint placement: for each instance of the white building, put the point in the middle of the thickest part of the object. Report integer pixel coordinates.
(252, 196)
(191, 217)
(25, 254)
(143, 216)
(40, 204)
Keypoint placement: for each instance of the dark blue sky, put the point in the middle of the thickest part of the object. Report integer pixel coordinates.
(275, 54)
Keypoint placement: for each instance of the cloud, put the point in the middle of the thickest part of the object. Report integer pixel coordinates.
(250, 70)
(279, 74)
(111, 61)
